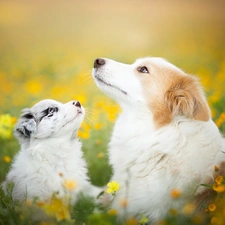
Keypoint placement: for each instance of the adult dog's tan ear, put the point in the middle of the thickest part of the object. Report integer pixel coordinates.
(185, 97)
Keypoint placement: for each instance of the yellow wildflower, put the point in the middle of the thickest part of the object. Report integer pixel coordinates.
(161, 222)
(100, 155)
(131, 221)
(222, 116)
(112, 212)
(6, 126)
(7, 159)
(97, 126)
(28, 202)
(144, 220)
(212, 207)
(83, 134)
(98, 142)
(214, 220)
(47, 223)
(57, 209)
(40, 203)
(175, 193)
(197, 219)
(70, 185)
(188, 209)
(218, 188)
(216, 168)
(34, 86)
(113, 187)
(219, 179)
(81, 98)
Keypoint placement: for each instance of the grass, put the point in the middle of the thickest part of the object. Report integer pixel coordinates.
(47, 50)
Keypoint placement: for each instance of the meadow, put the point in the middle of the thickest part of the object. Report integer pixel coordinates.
(47, 50)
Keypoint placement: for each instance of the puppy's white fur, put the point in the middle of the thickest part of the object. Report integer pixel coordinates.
(50, 152)
(164, 139)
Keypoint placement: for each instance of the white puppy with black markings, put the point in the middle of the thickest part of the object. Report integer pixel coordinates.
(163, 140)
(50, 154)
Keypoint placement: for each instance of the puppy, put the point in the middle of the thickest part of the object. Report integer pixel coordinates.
(163, 140)
(50, 157)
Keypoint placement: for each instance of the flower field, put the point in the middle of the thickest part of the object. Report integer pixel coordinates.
(47, 50)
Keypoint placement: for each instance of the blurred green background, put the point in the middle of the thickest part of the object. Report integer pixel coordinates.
(47, 50)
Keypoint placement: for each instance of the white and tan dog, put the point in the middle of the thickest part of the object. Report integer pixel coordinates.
(164, 139)
(50, 154)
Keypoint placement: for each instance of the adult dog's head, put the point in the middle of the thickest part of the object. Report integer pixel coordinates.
(50, 118)
(155, 84)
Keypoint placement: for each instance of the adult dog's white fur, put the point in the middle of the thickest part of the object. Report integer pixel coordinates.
(50, 153)
(164, 139)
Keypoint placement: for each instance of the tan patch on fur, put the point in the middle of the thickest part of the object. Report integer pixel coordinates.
(171, 92)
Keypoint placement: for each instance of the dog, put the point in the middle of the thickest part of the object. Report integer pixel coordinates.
(164, 139)
(50, 160)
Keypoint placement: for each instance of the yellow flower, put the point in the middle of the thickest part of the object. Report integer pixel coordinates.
(161, 222)
(212, 207)
(144, 220)
(40, 203)
(47, 223)
(218, 188)
(175, 193)
(81, 98)
(97, 126)
(57, 209)
(197, 219)
(188, 209)
(33, 86)
(216, 168)
(131, 221)
(222, 116)
(100, 155)
(7, 159)
(214, 220)
(113, 187)
(70, 185)
(83, 134)
(112, 212)
(98, 142)
(219, 179)
(6, 126)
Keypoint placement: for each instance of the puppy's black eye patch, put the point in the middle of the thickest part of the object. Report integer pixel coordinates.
(49, 112)
(28, 116)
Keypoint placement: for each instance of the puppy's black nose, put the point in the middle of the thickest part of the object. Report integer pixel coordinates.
(77, 104)
(99, 62)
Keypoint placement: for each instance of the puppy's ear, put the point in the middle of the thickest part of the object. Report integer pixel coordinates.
(26, 125)
(185, 97)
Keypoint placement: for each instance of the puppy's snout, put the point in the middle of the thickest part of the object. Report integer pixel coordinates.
(77, 104)
(99, 62)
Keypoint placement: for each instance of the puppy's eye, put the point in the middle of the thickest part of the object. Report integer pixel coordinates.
(51, 111)
(143, 69)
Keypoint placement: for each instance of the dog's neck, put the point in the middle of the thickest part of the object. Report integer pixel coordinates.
(51, 144)
(134, 120)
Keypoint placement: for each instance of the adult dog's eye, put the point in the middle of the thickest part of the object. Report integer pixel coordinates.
(143, 69)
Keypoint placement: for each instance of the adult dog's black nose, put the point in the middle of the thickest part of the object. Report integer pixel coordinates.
(77, 104)
(99, 62)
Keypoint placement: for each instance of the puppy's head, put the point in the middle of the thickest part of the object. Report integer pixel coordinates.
(155, 84)
(49, 118)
